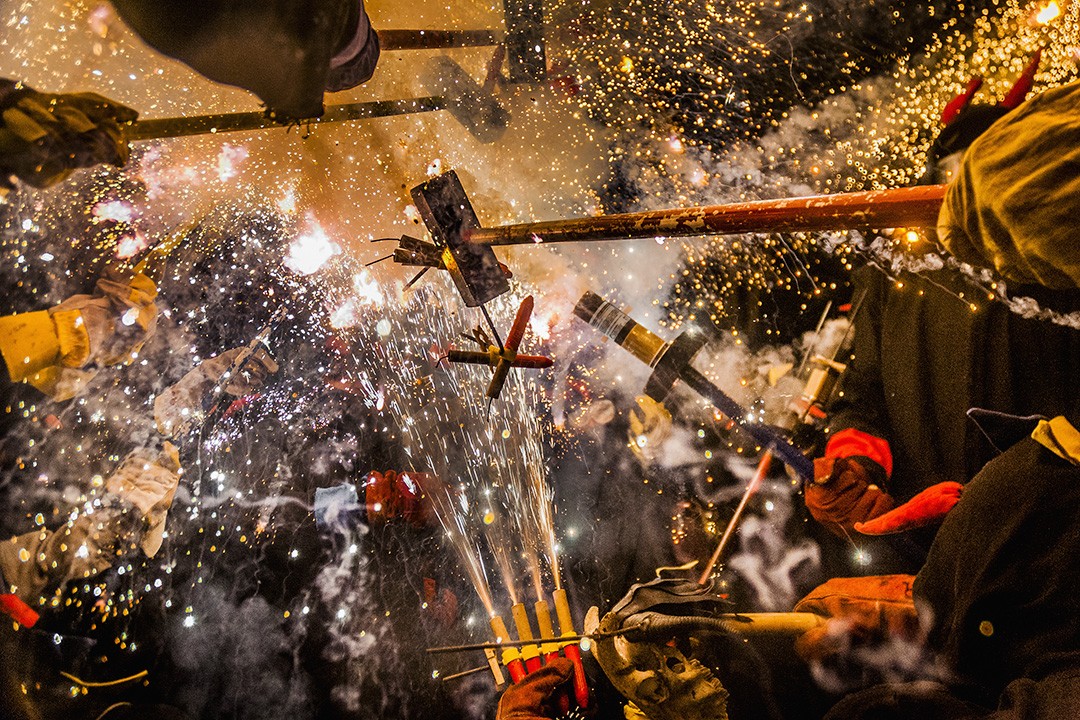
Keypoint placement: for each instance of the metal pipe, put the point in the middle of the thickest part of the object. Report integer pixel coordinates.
(900, 207)
(158, 128)
(766, 623)
(763, 623)
(755, 483)
(437, 39)
(767, 436)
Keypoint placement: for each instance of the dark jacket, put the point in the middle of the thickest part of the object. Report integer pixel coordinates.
(923, 357)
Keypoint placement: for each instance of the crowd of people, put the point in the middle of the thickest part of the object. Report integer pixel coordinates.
(952, 457)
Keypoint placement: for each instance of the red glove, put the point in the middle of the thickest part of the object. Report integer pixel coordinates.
(928, 507)
(440, 603)
(392, 495)
(860, 611)
(846, 491)
(528, 699)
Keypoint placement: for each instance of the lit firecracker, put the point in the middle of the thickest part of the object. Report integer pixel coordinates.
(868, 134)
(501, 359)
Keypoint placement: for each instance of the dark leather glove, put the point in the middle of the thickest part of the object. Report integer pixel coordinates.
(861, 611)
(44, 137)
(846, 491)
(529, 699)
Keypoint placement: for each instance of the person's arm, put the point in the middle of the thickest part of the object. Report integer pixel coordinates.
(850, 480)
(34, 565)
(46, 136)
(57, 350)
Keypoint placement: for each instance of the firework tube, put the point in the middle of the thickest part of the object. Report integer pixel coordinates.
(493, 356)
(571, 649)
(530, 653)
(511, 656)
(654, 352)
(547, 629)
(550, 649)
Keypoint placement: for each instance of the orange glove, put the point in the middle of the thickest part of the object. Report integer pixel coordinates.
(527, 699)
(860, 611)
(927, 508)
(845, 491)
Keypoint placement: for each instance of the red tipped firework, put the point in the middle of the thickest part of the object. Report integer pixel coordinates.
(505, 355)
(511, 656)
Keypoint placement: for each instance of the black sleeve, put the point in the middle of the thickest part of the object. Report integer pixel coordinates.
(860, 400)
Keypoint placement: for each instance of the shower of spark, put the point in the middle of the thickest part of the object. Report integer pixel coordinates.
(495, 460)
(671, 95)
(453, 510)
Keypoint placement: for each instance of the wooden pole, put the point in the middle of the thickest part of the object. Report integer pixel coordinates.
(437, 39)
(902, 207)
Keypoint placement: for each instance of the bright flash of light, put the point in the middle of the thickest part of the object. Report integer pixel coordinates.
(228, 161)
(131, 245)
(114, 210)
(311, 250)
(286, 204)
(1047, 12)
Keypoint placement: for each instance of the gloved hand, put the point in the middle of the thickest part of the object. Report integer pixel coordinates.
(108, 327)
(928, 507)
(48, 348)
(846, 491)
(179, 402)
(148, 481)
(527, 700)
(649, 429)
(392, 495)
(860, 611)
(37, 563)
(44, 137)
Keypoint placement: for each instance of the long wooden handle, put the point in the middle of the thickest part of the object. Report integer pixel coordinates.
(900, 207)
(773, 623)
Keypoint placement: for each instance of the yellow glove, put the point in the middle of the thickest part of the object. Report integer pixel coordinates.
(184, 400)
(47, 348)
(650, 429)
(44, 137)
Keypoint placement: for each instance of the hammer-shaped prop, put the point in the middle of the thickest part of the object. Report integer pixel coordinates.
(449, 216)
(417, 253)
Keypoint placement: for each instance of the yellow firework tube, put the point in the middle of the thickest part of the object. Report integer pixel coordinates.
(529, 653)
(547, 630)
